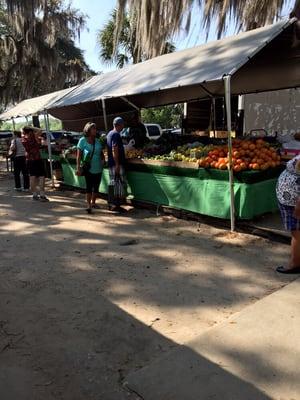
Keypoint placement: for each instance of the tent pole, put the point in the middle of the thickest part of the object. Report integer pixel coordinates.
(227, 88)
(47, 126)
(214, 112)
(185, 115)
(130, 103)
(13, 124)
(104, 114)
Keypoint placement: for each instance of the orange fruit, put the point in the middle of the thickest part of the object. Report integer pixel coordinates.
(264, 167)
(255, 166)
(237, 168)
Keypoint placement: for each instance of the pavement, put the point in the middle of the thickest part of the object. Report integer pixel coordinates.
(254, 355)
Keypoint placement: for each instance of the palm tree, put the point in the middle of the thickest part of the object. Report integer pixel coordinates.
(35, 61)
(156, 21)
(124, 50)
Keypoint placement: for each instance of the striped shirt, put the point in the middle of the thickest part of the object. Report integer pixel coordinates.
(18, 145)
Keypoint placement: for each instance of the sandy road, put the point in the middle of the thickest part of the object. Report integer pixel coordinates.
(86, 299)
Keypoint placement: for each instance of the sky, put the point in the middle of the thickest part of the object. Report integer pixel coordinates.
(98, 12)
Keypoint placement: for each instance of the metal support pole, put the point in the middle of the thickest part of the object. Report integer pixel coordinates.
(47, 126)
(130, 103)
(241, 115)
(185, 115)
(214, 113)
(104, 114)
(13, 124)
(227, 88)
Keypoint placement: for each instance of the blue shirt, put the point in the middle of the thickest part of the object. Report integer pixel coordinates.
(114, 139)
(87, 150)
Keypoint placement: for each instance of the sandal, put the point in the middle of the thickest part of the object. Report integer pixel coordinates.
(283, 270)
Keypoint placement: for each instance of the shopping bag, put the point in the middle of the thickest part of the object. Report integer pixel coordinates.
(119, 189)
(111, 193)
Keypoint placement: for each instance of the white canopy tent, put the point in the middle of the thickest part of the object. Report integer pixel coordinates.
(36, 106)
(186, 75)
(253, 61)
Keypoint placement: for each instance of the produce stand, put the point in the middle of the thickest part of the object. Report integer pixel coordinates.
(242, 64)
(203, 191)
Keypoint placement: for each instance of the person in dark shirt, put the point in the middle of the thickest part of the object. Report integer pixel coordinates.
(138, 132)
(116, 162)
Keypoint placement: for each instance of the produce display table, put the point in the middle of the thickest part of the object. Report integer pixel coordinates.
(203, 191)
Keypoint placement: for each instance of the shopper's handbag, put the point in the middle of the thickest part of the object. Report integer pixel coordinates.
(86, 166)
(12, 152)
(111, 193)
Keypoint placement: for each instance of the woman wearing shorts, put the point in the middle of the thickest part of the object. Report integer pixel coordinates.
(288, 195)
(32, 143)
(90, 161)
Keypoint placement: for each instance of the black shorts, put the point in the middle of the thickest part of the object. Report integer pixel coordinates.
(36, 168)
(92, 182)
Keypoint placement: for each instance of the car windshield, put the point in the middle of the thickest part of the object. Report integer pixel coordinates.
(153, 130)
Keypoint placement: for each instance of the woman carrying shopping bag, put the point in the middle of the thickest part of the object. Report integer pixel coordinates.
(90, 160)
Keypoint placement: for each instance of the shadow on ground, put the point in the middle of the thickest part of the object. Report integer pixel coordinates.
(80, 309)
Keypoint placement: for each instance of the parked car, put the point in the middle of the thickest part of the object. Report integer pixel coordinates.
(6, 134)
(154, 131)
(177, 131)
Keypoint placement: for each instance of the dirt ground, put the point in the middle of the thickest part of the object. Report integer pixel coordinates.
(84, 300)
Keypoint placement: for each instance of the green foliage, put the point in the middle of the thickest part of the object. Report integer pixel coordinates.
(40, 56)
(166, 117)
(55, 124)
(157, 21)
(123, 51)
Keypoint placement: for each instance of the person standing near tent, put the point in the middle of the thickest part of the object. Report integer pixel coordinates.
(90, 160)
(32, 143)
(138, 132)
(17, 152)
(116, 164)
(288, 195)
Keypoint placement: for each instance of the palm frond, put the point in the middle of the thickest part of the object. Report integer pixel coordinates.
(157, 20)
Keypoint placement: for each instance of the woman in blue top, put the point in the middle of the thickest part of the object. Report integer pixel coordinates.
(90, 161)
